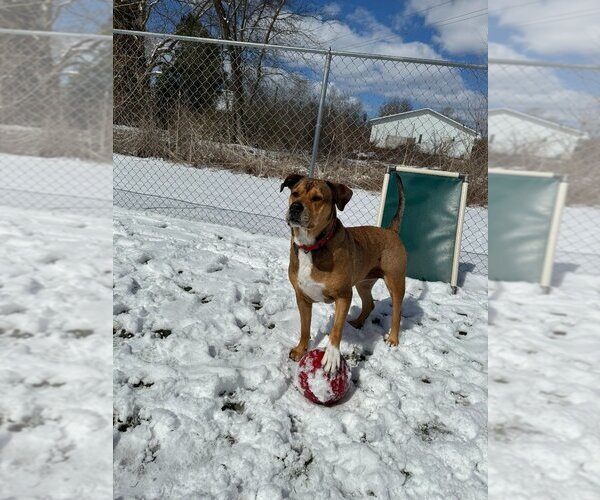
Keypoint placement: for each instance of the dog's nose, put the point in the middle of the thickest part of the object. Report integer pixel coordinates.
(296, 208)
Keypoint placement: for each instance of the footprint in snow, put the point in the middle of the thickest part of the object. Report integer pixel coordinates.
(142, 383)
(163, 333)
(120, 308)
(236, 406)
(431, 430)
(80, 333)
(49, 259)
(461, 334)
(128, 422)
(19, 334)
(122, 333)
(218, 265)
(134, 287)
(143, 259)
(34, 287)
(358, 356)
(460, 399)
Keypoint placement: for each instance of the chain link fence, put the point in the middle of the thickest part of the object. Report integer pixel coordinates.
(206, 129)
(546, 117)
(56, 121)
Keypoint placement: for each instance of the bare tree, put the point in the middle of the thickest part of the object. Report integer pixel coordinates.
(26, 61)
(130, 86)
(393, 106)
(31, 65)
(262, 21)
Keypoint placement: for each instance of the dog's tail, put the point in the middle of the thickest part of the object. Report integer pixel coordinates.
(397, 220)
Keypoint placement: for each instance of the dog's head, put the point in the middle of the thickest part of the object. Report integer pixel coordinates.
(312, 202)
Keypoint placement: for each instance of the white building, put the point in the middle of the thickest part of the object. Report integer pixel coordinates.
(428, 130)
(515, 132)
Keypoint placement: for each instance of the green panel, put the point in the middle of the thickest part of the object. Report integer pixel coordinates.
(429, 224)
(520, 214)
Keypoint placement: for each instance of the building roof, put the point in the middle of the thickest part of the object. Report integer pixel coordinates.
(424, 111)
(538, 120)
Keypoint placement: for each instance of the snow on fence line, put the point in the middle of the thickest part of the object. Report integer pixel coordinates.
(255, 204)
(66, 184)
(252, 203)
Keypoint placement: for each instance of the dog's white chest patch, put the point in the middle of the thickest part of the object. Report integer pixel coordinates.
(308, 285)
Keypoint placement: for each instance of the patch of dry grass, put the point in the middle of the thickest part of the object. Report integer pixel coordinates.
(362, 168)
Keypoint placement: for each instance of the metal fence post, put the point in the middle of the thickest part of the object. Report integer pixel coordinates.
(324, 83)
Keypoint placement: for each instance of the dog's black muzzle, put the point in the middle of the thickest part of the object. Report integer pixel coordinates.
(295, 212)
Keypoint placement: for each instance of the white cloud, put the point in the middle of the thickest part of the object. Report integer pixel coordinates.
(430, 85)
(542, 91)
(366, 34)
(461, 25)
(502, 51)
(552, 27)
(332, 9)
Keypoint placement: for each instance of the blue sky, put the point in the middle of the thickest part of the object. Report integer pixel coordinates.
(452, 30)
(416, 21)
(427, 29)
(84, 16)
(413, 28)
(455, 29)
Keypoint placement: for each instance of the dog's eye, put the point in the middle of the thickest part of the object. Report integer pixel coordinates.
(317, 198)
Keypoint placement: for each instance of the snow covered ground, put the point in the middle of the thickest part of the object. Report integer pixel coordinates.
(204, 397)
(544, 390)
(65, 184)
(578, 246)
(55, 355)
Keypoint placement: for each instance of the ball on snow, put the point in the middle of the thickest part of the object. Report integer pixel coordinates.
(317, 385)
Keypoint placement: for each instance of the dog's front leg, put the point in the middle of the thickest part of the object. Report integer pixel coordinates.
(331, 359)
(305, 309)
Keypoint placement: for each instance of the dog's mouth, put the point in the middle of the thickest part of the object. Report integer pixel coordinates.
(296, 220)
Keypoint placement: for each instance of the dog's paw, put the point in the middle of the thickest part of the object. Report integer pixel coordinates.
(391, 340)
(331, 359)
(297, 352)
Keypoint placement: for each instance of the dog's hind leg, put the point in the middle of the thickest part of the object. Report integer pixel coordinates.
(396, 286)
(364, 288)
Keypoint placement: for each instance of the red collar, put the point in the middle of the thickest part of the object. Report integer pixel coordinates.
(320, 243)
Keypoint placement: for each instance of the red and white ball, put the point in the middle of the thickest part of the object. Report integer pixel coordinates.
(319, 386)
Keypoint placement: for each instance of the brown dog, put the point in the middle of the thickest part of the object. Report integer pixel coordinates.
(328, 259)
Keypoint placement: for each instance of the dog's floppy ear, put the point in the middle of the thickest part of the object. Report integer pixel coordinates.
(341, 194)
(290, 181)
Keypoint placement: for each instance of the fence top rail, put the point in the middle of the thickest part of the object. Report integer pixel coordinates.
(543, 64)
(362, 55)
(60, 34)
